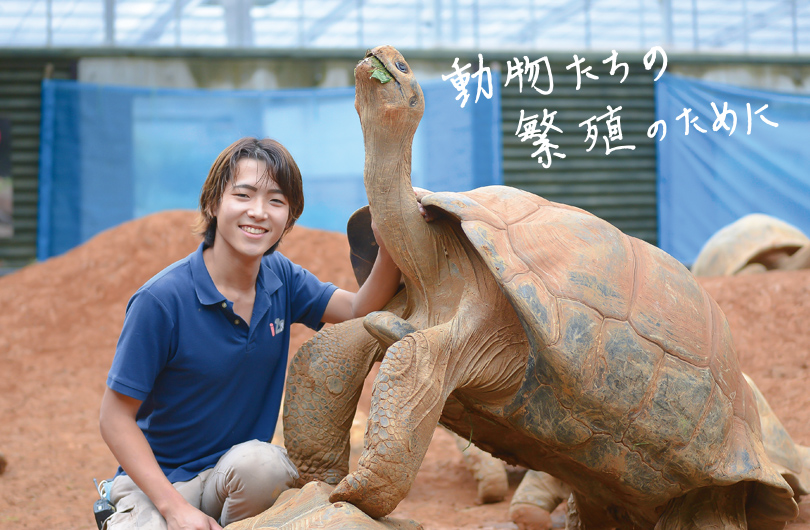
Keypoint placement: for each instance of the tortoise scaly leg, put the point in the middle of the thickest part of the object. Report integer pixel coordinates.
(409, 394)
(473, 352)
(536, 497)
(581, 514)
(489, 472)
(323, 387)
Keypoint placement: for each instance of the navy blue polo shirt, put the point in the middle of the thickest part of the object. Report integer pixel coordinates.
(208, 381)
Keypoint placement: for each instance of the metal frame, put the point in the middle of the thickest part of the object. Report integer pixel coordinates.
(763, 26)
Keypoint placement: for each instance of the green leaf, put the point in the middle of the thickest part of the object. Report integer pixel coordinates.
(381, 74)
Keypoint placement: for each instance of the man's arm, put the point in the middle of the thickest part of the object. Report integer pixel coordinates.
(380, 286)
(129, 446)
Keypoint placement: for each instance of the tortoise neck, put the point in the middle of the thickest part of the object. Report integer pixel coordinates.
(392, 201)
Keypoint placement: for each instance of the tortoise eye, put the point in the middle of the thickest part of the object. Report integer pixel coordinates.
(402, 68)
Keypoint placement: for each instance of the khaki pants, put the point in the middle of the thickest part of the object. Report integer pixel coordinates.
(244, 482)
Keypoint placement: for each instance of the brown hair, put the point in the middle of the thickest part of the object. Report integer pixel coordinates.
(280, 167)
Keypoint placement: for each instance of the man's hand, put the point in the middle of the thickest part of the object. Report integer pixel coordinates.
(377, 237)
(426, 215)
(187, 517)
(129, 446)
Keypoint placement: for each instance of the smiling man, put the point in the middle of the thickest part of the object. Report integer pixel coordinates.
(195, 387)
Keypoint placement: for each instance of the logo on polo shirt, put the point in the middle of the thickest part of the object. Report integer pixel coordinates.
(278, 327)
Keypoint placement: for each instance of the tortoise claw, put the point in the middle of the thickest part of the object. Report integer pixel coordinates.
(355, 489)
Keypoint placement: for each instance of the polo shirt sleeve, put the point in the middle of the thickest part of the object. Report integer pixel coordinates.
(144, 347)
(308, 295)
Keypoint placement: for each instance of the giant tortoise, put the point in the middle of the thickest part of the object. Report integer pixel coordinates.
(545, 336)
(753, 243)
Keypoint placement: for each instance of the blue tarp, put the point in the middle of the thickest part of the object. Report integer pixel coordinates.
(709, 180)
(111, 154)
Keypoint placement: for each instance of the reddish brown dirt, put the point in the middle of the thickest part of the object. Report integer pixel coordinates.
(61, 318)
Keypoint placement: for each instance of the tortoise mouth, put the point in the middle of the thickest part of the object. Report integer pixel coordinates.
(374, 73)
(377, 68)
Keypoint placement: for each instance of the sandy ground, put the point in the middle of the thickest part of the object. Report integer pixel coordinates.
(60, 321)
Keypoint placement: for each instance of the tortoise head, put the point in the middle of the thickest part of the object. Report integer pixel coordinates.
(387, 92)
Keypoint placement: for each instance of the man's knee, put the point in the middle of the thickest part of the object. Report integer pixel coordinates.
(247, 480)
(260, 465)
(133, 509)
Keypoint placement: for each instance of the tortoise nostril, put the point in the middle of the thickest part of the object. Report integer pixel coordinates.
(402, 67)
(412, 102)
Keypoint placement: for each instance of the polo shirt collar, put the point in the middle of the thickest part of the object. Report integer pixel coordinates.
(267, 282)
(207, 292)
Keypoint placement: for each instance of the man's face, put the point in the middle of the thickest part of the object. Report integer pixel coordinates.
(252, 213)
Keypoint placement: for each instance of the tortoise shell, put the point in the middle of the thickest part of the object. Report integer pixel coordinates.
(740, 243)
(788, 457)
(309, 507)
(633, 381)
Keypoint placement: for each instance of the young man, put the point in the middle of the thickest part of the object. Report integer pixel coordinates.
(195, 386)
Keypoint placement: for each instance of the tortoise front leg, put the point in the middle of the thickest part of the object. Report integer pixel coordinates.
(323, 387)
(409, 394)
